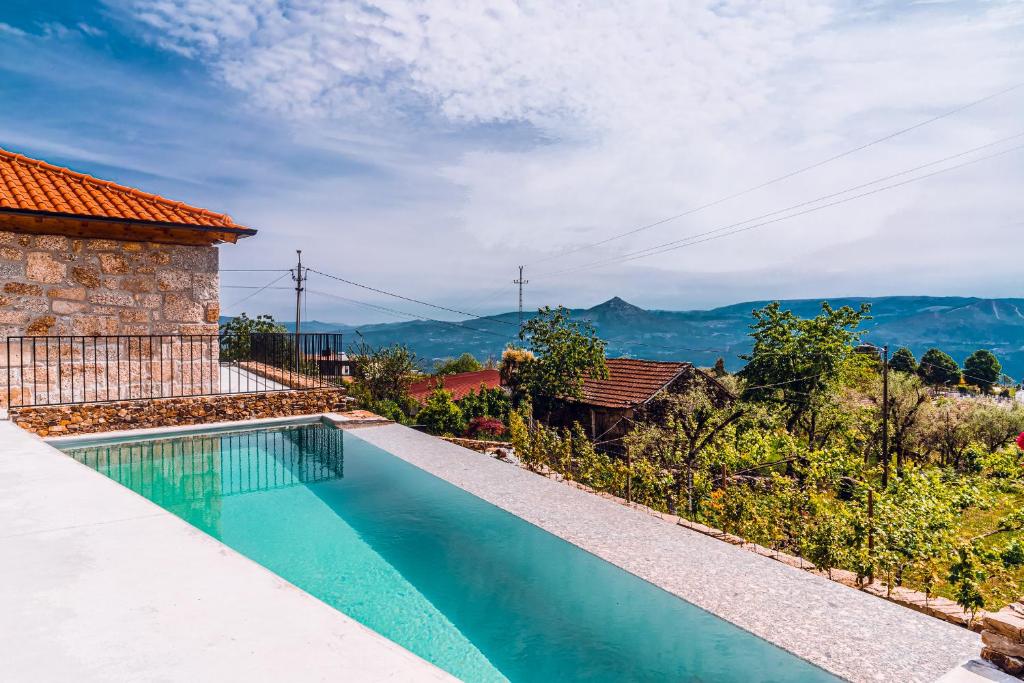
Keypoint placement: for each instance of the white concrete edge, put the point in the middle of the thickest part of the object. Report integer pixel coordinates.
(225, 549)
(977, 670)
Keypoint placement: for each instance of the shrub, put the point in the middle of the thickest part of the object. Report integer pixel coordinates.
(441, 415)
(484, 427)
(1013, 554)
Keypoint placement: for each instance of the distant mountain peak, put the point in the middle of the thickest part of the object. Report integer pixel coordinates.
(617, 304)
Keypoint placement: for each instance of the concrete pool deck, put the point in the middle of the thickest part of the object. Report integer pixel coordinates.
(99, 584)
(847, 632)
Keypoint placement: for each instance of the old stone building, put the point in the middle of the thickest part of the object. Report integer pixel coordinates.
(91, 258)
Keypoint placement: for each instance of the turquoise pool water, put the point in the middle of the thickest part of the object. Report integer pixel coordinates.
(465, 585)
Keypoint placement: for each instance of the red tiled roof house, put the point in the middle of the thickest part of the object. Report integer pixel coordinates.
(460, 384)
(89, 257)
(608, 404)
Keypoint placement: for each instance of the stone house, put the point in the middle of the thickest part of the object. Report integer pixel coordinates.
(608, 405)
(91, 258)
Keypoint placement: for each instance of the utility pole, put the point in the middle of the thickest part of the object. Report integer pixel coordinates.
(885, 416)
(520, 282)
(299, 278)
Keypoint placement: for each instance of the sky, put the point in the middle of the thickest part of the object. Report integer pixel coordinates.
(430, 147)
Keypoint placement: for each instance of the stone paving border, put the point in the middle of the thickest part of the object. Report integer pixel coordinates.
(847, 632)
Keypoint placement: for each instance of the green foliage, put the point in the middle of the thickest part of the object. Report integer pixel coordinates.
(915, 522)
(383, 373)
(1012, 555)
(565, 351)
(965, 576)
(795, 360)
(441, 415)
(519, 436)
(983, 369)
(452, 366)
(994, 425)
(938, 368)
(236, 335)
(903, 361)
(1004, 463)
(486, 402)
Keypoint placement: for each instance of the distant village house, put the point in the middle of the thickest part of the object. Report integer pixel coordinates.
(609, 405)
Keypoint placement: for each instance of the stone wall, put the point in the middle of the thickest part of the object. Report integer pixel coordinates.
(61, 285)
(57, 285)
(1002, 638)
(168, 412)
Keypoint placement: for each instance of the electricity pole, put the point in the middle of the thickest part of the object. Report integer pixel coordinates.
(299, 278)
(520, 282)
(885, 416)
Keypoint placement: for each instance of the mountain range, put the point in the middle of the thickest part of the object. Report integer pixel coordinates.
(957, 325)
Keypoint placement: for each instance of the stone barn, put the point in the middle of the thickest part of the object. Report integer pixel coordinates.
(609, 405)
(104, 289)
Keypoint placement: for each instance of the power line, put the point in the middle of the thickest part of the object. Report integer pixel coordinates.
(456, 325)
(718, 232)
(785, 176)
(266, 286)
(254, 270)
(411, 300)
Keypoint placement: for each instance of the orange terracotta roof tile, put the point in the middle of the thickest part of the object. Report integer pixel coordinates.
(630, 382)
(32, 185)
(459, 384)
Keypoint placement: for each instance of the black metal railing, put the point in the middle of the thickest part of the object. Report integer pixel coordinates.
(60, 370)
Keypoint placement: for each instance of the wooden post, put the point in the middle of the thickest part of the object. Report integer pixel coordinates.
(725, 477)
(871, 536)
(629, 477)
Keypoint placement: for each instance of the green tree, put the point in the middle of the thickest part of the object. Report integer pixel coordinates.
(565, 352)
(441, 415)
(452, 366)
(677, 430)
(795, 361)
(983, 369)
(383, 373)
(996, 426)
(236, 335)
(903, 361)
(938, 368)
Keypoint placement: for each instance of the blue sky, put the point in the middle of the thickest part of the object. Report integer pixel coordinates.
(429, 147)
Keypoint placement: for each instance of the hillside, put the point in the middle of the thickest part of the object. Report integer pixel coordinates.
(957, 325)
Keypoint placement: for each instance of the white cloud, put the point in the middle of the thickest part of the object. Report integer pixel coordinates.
(524, 128)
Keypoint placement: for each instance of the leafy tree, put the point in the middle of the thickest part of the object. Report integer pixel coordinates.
(384, 373)
(236, 335)
(486, 402)
(440, 414)
(565, 352)
(452, 366)
(719, 369)
(903, 361)
(938, 368)
(908, 407)
(677, 431)
(947, 429)
(795, 360)
(983, 369)
(996, 426)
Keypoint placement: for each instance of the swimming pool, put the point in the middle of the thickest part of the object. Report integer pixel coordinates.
(475, 590)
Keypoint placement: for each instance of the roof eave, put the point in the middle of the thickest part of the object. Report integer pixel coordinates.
(106, 227)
